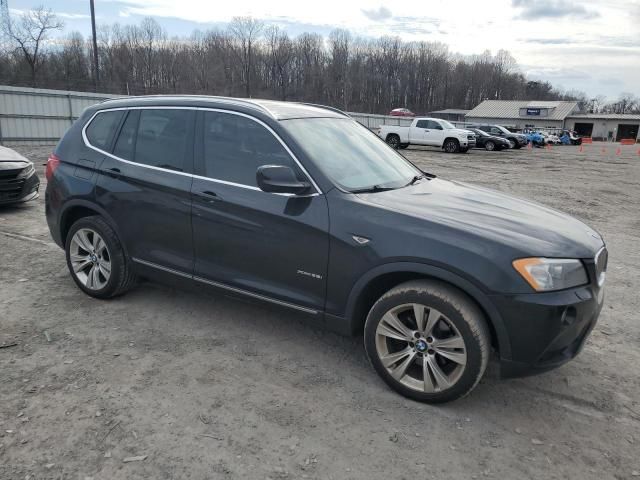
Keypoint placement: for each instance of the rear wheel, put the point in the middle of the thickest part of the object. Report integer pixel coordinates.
(393, 141)
(402, 146)
(96, 259)
(490, 146)
(427, 341)
(451, 146)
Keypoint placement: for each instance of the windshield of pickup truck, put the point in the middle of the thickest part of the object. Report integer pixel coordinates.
(353, 157)
(446, 125)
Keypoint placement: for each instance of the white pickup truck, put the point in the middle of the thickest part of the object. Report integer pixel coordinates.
(434, 132)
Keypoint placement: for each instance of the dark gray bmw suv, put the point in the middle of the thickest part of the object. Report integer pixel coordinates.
(300, 206)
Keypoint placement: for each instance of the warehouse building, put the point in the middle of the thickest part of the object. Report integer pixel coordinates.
(555, 116)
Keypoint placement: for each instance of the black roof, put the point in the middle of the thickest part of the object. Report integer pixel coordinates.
(275, 109)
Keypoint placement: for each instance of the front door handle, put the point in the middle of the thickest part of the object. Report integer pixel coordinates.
(113, 172)
(208, 196)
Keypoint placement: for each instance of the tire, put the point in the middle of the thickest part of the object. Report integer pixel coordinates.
(489, 146)
(402, 146)
(451, 146)
(464, 150)
(393, 141)
(456, 318)
(512, 143)
(83, 249)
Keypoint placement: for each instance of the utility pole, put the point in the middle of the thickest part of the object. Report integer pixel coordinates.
(95, 47)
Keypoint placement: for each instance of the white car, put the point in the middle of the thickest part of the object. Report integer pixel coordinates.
(433, 132)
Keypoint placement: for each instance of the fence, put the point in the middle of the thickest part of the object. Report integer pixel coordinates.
(40, 116)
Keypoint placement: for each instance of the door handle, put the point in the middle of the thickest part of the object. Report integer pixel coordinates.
(208, 196)
(113, 172)
(426, 130)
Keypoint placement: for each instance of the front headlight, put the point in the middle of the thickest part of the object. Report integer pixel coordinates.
(27, 172)
(547, 274)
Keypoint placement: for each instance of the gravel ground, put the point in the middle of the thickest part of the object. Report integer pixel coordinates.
(201, 387)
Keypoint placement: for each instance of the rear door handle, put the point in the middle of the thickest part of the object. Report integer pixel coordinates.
(113, 172)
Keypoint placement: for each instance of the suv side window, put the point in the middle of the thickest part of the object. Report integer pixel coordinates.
(235, 146)
(496, 131)
(162, 138)
(433, 125)
(422, 124)
(102, 128)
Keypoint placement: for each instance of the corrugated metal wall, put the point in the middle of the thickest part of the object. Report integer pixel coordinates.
(40, 116)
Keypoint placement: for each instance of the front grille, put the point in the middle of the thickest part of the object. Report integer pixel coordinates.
(601, 260)
(10, 184)
(10, 174)
(471, 137)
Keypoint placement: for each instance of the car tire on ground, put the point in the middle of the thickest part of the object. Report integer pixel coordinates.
(96, 259)
(451, 146)
(428, 341)
(490, 146)
(393, 141)
(402, 146)
(464, 150)
(512, 143)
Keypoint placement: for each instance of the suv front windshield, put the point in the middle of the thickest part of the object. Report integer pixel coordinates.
(503, 130)
(353, 157)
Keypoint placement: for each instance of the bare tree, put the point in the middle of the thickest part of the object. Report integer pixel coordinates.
(246, 31)
(30, 32)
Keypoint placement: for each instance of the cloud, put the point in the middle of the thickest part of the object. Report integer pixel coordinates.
(544, 9)
(548, 41)
(377, 15)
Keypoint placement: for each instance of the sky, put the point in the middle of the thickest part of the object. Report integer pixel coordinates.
(589, 45)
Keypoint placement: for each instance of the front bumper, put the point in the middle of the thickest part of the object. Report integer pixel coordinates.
(547, 330)
(16, 190)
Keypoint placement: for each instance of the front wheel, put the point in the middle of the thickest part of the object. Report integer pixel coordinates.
(512, 143)
(451, 146)
(490, 146)
(96, 259)
(427, 341)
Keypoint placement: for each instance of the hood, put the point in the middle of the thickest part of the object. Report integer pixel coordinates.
(460, 131)
(12, 160)
(527, 227)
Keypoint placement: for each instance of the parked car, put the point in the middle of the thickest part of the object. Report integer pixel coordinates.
(489, 142)
(302, 207)
(18, 179)
(551, 138)
(535, 138)
(401, 112)
(433, 132)
(516, 140)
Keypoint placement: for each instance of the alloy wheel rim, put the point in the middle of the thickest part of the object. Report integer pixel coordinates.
(90, 259)
(512, 144)
(421, 348)
(393, 142)
(490, 146)
(451, 146)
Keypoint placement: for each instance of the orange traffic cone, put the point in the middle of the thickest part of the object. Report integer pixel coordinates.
(529, 145)
(581, 149)
(618, 151)
(639, 152)
(603, 150)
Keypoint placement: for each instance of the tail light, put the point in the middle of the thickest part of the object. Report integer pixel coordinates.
(52, 163)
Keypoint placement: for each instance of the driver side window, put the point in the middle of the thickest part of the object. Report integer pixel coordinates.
(235, 146)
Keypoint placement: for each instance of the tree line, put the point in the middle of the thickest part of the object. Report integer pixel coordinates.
(251, 59)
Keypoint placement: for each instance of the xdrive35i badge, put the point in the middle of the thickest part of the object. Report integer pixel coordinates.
(309, 274)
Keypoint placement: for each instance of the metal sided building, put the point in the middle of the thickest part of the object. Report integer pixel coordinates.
(605, 126)
(523, 114)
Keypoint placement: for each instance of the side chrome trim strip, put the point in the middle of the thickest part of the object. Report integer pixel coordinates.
(215, 180)
(226, 287)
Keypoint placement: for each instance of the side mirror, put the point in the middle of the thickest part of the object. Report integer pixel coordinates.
(280, 179)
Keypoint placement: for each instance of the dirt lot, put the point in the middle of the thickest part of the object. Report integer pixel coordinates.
(210, 387)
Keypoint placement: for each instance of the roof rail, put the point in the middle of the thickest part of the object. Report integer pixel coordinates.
(232, 100)
(335, 110)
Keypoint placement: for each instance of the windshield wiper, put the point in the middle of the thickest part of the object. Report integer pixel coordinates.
(372, 188)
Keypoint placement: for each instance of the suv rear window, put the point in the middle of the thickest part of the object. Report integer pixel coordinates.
(102, 128)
